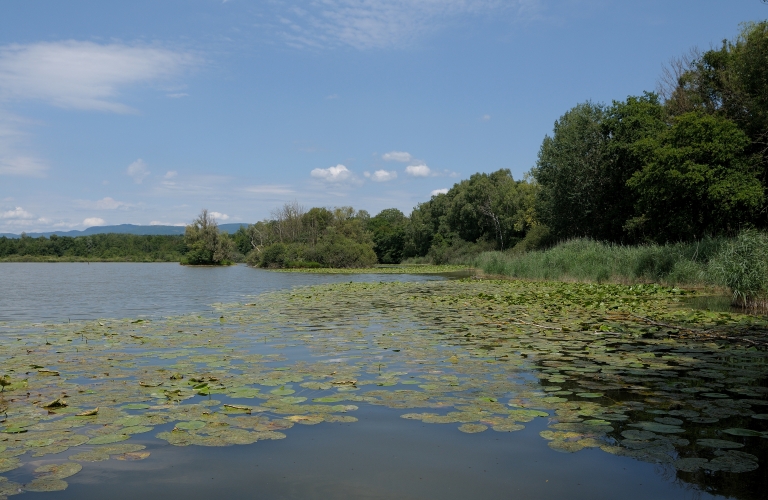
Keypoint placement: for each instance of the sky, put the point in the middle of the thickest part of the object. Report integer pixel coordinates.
(146, 112)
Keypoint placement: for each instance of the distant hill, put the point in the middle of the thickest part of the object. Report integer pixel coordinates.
(126, 229)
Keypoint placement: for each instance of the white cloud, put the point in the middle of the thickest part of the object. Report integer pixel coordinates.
(137, 170)
(13, 160)
(21, 165)
(161, 223)
(219, 216)
(270, 189)
(109, 204)
(382, 175)
(486, 118)
(400, 156)
(83, 75)
(368, 24)
(339, 173)
(418, 170)
(170, 174)
(94, 221)
(439, 191)
(178, 95)
(16, 213)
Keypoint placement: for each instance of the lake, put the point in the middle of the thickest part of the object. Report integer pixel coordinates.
(225, 382)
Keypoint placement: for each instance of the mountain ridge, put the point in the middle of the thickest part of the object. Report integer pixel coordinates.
(125, 229)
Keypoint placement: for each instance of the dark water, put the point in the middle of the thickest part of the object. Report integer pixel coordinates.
(80, 291)
(380, 456)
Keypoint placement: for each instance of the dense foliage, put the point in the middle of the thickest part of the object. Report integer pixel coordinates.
(653, 170)
(97, 247)
(319, 237)
(207, 245)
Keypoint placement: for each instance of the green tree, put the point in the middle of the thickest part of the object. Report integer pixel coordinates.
(207, 245)
(698, 180)
(571, 171)
(730, 81)
(388, 229)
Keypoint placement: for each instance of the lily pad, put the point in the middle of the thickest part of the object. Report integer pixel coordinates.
(718, 443)
(44, 484)
(472, 428)
(190, 425)
(60, 470)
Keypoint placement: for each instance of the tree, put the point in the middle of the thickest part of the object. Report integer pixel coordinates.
(731, 82)
(207, 246)
(388, 229)
(698, 180)
(571, 173)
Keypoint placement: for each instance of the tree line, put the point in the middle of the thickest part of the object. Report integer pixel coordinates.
(97, 247)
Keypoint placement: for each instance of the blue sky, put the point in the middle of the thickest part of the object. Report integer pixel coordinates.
(144, 112)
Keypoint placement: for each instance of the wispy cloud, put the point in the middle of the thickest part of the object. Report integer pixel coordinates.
(161, 223)
(382, 175)
(138, 170)
(401, 156)
(14, 160)
(103, 204)
(270, 189)
(371, 24)
(83, 75)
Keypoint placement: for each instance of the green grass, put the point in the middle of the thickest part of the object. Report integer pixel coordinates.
(593, 261)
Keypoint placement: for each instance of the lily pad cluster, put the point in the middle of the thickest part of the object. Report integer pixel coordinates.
(627, 370)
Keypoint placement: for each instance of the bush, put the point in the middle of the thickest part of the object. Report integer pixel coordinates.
(336, 251)
(742, 266)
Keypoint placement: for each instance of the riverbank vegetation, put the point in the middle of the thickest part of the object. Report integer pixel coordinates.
(94, 248)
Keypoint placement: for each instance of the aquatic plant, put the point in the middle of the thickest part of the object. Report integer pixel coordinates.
(742, 266)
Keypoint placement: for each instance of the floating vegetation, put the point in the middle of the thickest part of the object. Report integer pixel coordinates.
(626, 370)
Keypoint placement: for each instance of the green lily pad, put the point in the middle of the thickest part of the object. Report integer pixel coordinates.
(60, 470)
(190, 425)
(742, 432)
(282, 391)
(658, 428)
(472, 428)
(718, 443)
(44, 484)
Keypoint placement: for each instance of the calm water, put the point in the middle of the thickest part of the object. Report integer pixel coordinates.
(79, 291)
(380, 456)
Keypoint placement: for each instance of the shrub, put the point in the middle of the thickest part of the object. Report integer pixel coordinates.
(742, 266)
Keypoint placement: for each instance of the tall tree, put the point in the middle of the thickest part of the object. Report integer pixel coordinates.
(698, 180)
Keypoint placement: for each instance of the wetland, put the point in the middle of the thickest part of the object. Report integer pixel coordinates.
(159, 379)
